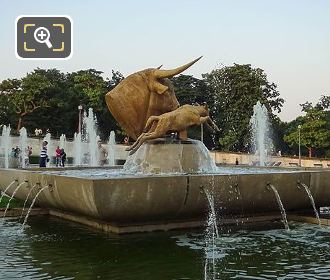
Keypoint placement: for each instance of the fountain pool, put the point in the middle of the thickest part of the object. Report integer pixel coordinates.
(116, 200)
(46, 247)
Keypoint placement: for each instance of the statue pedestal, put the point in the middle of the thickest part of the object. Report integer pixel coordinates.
(166, 155)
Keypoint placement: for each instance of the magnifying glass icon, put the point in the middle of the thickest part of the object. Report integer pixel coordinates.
(41, 35)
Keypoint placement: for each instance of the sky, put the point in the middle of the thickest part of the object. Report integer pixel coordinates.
(289, 39)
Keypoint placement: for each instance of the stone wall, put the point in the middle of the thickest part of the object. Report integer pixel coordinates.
(248, 159)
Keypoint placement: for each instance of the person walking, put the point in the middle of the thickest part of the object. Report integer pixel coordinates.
(43, 155)
(58, 156)
(63, 157)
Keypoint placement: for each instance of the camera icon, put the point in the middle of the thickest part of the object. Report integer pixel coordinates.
(43, 37)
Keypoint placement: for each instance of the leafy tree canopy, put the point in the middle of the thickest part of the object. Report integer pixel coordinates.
(313, 127)
(236, 89)
(49, 99)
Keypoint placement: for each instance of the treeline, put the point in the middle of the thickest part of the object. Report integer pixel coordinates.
(49, 99)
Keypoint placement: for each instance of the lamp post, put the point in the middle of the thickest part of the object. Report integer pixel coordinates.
(299, 151)
(80, 107)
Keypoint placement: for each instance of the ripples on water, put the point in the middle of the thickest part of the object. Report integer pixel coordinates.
(301, 253)
(54, 249)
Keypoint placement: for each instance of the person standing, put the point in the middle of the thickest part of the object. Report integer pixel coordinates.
(58, 156)
(43, 155)
(27, 154)
(17, 152)
(63, 157)
(102, 154)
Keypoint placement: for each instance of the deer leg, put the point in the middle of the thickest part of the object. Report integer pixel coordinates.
(135, 143)
(209, 126)
(145, 137)
(215, 127)
(209, 123)
(151, 123)
(183, 135)
(203, 119)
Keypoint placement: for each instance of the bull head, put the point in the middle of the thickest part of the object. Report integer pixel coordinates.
(141, 95)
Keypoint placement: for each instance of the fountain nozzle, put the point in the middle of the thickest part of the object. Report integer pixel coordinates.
(51, 187)
(299, 185)
(268, 186)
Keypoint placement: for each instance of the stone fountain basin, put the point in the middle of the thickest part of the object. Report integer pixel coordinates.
(135, 200)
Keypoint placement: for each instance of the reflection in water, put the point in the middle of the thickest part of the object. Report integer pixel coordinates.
(301, 253)
(49, 248)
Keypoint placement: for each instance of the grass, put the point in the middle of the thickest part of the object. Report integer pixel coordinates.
(15, 203)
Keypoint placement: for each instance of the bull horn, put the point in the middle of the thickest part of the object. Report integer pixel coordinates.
(160, 66)
(170, 73)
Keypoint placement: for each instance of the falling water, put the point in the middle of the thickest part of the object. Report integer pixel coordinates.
(212, 218)
(211, 235)
(77, 148)
(12, 196)
(31, 206)
(4, 192)
(262, 143)
(205, 163)
(26, 199)
(49, 147)
(280, 204)
(63, 142)
(6, 144)
(23, 147)
(91, 137)
(308, 191)
(112, 149)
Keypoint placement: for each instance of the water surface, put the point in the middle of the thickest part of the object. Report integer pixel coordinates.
(105, 173)
(50, 248)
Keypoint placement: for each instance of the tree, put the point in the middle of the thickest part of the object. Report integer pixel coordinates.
(90, 85)
(31, 93)
(106, 121)
(236, 89)
(190, 90)
(7, 112)
(89, 88)
(314, 131)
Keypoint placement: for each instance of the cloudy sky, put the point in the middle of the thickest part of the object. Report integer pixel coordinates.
(288, 39)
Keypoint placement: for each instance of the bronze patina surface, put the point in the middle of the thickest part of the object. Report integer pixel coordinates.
(143, 94)
(176, 121)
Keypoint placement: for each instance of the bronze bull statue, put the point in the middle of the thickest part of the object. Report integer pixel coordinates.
(176, 121)
(143, 94)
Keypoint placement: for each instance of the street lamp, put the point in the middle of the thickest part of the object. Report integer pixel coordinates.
(299, 152)
(80, 107)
